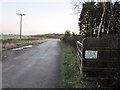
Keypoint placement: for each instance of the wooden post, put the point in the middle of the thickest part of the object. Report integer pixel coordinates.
(21, 24)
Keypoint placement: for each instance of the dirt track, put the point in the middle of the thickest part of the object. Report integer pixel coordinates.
(36, 67)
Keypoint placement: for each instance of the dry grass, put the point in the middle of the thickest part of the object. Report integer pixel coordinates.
(12, 43)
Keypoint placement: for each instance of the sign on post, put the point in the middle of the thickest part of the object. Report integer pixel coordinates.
(91, 54)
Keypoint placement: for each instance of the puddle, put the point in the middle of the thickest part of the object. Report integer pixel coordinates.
(27, 46)
(15, 49)
(21, 48)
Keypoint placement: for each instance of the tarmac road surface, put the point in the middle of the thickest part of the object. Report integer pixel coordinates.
(38, 67)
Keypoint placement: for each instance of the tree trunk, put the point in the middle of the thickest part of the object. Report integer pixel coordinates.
(111, 17)
(100, 25)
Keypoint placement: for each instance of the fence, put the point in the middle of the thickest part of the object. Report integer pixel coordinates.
(80, 55)
(98, 63)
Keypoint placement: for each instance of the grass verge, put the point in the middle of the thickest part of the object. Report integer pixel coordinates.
(19, 43)
(70, 70)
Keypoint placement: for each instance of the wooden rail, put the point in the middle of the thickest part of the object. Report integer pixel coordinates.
(80, 55)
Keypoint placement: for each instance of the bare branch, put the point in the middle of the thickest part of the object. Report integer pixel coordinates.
(77, 6)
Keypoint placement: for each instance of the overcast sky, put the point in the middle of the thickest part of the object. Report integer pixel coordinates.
(42, 16)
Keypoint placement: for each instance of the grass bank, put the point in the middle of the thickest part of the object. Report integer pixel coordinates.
(70, 70)
(14, 43)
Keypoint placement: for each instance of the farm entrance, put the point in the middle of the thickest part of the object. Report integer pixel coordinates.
(99, 62)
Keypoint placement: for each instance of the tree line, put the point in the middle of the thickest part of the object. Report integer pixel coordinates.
(99, 18)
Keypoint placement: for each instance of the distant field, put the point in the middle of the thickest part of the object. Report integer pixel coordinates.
(9, 36)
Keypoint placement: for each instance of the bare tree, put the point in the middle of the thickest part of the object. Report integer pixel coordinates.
(77, 6)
